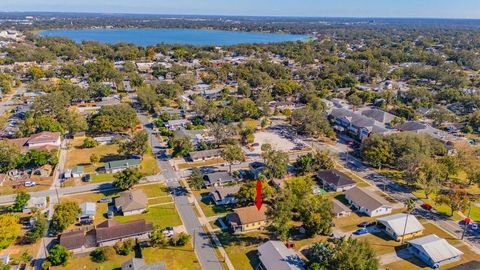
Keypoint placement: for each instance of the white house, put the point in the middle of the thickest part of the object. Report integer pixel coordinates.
(367, 202)
(434, 251)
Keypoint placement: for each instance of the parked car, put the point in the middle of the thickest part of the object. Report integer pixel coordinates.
(361, 231)
(87, 178)
(168, 231)
(474, 226)
(105, 200)
(30, 184)
(426, 206)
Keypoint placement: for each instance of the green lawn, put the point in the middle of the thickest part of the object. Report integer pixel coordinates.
(445, 209)
(242, 249)
(85, 263)
(163, 216)
(175, 258)
(102, 177)
(149, 165)
(154, 190)
(208, 207)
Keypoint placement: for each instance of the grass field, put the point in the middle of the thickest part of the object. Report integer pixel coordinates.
(242, 249)
(208, 207)
(175, 258)
(162, 215)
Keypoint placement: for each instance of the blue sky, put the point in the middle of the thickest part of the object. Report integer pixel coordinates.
(329, 8)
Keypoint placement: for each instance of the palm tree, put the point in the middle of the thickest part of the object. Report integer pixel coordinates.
(410, 205)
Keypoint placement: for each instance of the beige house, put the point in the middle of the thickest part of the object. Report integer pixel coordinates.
(401, 225)
(247, 219)
(131, 202)
(340, 209)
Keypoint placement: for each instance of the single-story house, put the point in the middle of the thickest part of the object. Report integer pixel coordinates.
(247, 219)
(433, 250)
(195, 136)
(419, 127)
(224, 195)
(39, 203)
(43, 141)
(218, 179)
(111, 231)
(87, 214)
(335, 180)
(120, 165)
(131, 202)
(76, 171)
(139, 264)
(205, 154)
(340, 209)
(177, 124)
(274, 255)
(256, 169)
(401, 225)
(75, 241)
(106, 233)
(367, 202)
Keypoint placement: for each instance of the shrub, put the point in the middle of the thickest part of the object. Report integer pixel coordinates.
(180, 239)
(124, 247)
(89, 143)
(102, 254)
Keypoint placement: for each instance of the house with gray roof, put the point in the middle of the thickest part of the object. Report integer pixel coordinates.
(379, 115)
(87, 214)
(218, 179)
(139, 264)
(340, 209)
(131, 202)
(120, 165)
(274, 255)
(367, 202)
(205, 154)
(224, 195)
(433, 250)
(355, 124)
(335, 180)
(419, 127)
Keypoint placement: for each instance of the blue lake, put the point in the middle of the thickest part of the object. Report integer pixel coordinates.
(147, 37)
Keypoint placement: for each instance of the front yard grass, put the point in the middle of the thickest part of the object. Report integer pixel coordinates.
(208, 206)
(445, 209)
(242, 249)
(84, 262)
(175, 258)
(162, 215)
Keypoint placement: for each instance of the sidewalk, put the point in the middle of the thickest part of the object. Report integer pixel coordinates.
(204, 221)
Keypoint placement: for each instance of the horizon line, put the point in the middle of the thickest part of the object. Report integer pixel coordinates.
(239, 15)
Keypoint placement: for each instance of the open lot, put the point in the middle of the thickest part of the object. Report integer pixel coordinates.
(209, 208)
(162, 212)
(78, 156)
(175, 258)
(277, 142)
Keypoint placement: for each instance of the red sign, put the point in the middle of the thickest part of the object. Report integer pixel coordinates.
(258, 201)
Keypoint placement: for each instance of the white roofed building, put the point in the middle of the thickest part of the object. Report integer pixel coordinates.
(401, 225)
(434, 251)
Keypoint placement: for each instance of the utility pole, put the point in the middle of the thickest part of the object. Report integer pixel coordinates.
(467, 219)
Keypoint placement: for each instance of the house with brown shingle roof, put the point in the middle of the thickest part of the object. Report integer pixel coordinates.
(44, 141)
(131, 202)
(367, 202)
(106, 233)
(111, 231)
(247, 219)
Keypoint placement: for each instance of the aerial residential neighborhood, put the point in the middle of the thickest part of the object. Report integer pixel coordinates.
(151, 142)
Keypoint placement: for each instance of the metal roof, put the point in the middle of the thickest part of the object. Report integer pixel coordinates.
(397, 223)
(274, 255)
(438, 249)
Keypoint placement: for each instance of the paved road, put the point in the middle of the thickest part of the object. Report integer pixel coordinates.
(396, 191)
(7, 103)
(201, 241)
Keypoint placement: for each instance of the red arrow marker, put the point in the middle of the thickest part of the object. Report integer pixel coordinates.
(258, 201)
